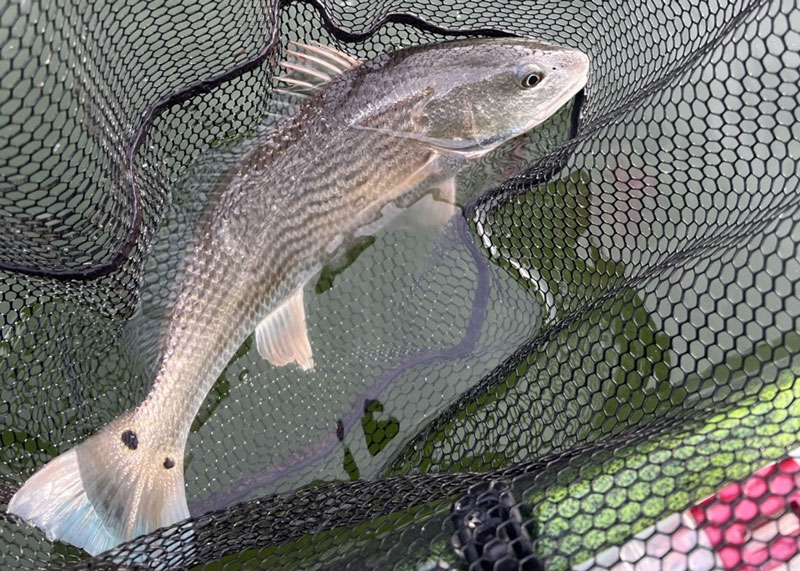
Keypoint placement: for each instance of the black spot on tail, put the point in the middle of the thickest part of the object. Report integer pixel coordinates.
(169, 463)
(130, 439)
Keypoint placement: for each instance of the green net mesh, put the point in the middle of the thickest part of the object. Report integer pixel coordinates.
(594, 366)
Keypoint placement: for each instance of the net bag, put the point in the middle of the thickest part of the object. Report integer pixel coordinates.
(594, 366)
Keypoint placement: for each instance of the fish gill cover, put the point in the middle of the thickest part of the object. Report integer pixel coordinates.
(594, 364)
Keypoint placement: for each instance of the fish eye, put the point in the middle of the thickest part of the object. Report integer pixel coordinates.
(529, 75)
(531, 79)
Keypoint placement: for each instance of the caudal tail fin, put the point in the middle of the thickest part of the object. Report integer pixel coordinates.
(107, 490)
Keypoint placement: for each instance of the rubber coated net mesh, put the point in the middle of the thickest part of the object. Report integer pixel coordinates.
(595, 365)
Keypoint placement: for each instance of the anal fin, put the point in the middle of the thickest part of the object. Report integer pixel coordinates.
(282, 336)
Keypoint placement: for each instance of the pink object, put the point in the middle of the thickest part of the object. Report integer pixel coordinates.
(756, 524)
(750, 525)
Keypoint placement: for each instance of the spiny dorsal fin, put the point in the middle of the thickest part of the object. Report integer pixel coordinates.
(310, 67)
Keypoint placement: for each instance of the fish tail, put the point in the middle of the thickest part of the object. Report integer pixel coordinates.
(109, 489)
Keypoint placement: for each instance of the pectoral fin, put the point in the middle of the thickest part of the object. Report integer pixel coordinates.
(431, 212)
(445, 198)
(282, 337)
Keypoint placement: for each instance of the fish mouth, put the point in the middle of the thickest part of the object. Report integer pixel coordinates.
(580, 83)
(476, 147)
(568, 94)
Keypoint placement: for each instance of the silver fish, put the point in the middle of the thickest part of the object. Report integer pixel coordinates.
(368, 134)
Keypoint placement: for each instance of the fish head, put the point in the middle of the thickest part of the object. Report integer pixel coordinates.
(472, 95)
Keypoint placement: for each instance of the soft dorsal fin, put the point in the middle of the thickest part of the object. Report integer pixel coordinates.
(310, 67)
